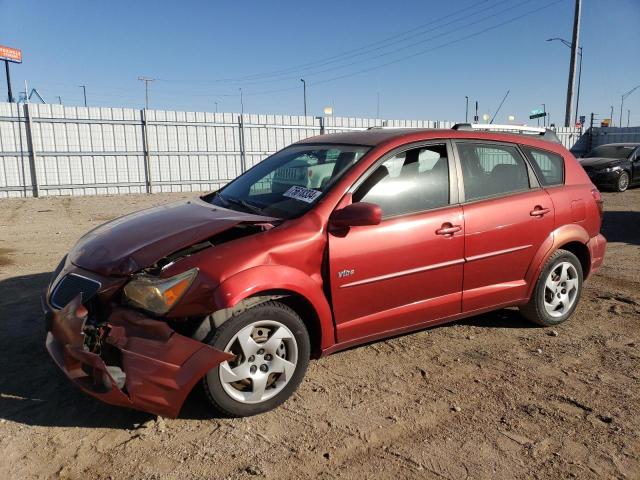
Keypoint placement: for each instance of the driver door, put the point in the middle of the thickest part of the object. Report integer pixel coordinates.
(407, 270)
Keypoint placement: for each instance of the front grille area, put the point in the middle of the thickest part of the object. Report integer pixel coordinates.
(69, 287)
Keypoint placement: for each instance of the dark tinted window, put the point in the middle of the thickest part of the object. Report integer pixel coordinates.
(611, 151)
(411, 181)
(548, 166)
(490, 170)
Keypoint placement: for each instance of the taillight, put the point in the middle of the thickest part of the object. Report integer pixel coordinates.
(597, 196)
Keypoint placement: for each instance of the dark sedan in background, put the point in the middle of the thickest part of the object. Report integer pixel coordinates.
(615, 166)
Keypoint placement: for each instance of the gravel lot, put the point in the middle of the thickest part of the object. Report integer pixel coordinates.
(489, 397)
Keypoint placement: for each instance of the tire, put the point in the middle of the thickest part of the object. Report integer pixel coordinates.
(555, 298)
(272, 350)
(623, 182)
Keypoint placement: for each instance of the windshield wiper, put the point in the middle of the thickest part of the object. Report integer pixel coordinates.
(246, 205)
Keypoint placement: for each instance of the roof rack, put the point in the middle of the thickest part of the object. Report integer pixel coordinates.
(543, 133)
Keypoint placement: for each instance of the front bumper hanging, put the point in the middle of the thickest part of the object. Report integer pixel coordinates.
(159, 367)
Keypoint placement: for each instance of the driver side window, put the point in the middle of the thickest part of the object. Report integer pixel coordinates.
(411, 181)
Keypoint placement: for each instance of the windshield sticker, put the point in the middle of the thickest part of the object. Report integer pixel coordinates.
(302, 194)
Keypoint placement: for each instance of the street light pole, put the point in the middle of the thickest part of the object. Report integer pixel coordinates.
(624, 96)
(466, 110)
(84, 91)
(304, 92)
(568, 44)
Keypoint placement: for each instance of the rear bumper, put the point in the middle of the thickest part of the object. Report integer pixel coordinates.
(161, 366)
(597, 247)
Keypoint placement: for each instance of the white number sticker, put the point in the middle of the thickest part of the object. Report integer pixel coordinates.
(302, 194)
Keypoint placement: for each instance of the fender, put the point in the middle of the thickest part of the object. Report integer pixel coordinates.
(278, 277)
(557, 238)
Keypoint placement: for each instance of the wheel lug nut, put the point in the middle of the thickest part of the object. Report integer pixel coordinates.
(268, 357)
(263, 368)
(261, 351)
(252, 358)
(253, 369)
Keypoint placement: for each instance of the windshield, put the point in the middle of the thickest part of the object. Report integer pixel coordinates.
(289, 182)
(612, 151)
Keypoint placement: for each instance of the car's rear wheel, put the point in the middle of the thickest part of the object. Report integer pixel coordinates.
(271, 347)
(623, 182)
(557, 291)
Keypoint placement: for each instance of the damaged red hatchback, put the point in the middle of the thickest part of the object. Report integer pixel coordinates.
(332, 242)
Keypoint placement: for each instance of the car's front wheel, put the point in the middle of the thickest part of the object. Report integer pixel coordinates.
(271, 347)
(557, 291)
(623, 181)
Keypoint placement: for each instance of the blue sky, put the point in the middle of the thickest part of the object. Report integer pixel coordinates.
(202, 52)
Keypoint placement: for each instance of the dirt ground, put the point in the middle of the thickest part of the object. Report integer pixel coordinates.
(489, 397)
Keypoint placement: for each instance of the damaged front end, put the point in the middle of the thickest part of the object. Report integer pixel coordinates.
(128, 359)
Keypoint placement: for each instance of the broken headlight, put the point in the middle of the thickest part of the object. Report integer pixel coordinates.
(158, 295)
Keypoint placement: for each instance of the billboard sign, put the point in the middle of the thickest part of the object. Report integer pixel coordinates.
(10, 54)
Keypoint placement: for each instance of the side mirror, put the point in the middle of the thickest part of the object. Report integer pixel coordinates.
(356, 215)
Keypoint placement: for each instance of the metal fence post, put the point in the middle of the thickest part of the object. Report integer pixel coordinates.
(321, 120)
(243, 158)
(32, 151)
(147, 155)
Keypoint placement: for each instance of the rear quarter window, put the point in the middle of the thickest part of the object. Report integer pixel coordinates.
(549, 167)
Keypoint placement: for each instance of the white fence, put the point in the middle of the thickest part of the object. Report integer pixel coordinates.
(58, 150)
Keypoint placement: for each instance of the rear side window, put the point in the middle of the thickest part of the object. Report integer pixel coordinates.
(411, 181)
(490, 170)
(548, 166)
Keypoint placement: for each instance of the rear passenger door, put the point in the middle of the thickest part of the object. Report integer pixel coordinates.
(507, 217)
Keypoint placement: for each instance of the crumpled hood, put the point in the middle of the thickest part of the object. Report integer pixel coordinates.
(130, 243)
(599, 162)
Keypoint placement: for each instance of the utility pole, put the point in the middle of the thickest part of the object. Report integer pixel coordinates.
(476, 118)
(304, 92)
(544, 119)
(84, 91)
(216, 103)
(59, 99)
(624, 96)
(628, 117)
(146, 81)
(575, 40)
(466, 109)
(241, 103)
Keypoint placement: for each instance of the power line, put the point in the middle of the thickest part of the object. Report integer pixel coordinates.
(422, 52)
(299, 68)
(385, 54)
(382, 65)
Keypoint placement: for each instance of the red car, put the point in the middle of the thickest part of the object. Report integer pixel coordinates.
(238, 289)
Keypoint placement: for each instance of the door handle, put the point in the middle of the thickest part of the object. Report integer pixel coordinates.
(448, 229)
(539, 211)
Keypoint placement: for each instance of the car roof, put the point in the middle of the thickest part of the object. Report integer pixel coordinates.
(375, 137)
(621, 144)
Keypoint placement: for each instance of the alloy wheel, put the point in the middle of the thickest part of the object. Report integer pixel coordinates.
(266, 355)
(561, 289)
(623, 181)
